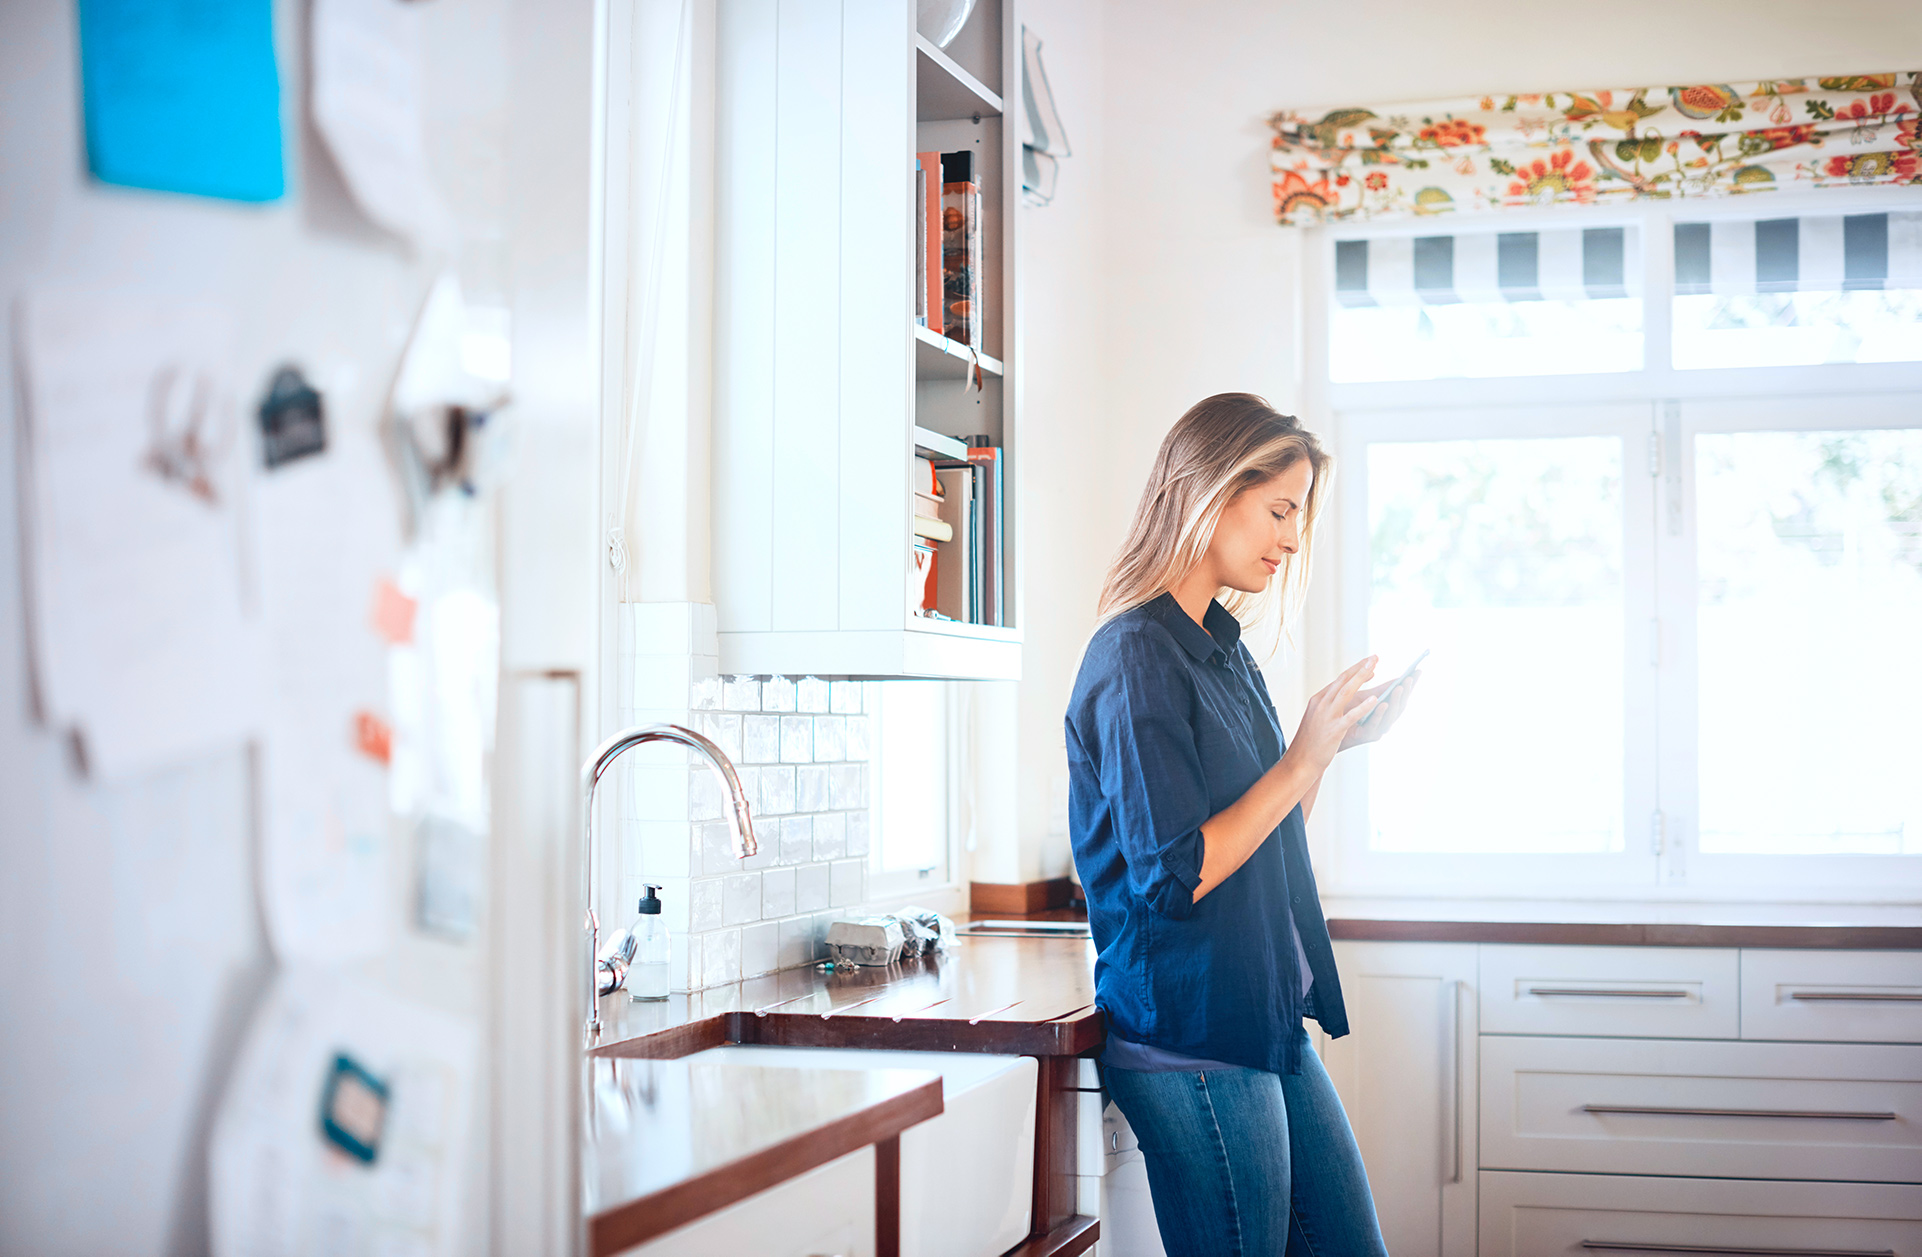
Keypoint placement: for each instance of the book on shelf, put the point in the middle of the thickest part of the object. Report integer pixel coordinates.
(927, 239)
(969, 572)
(921, 576)
(961, 257)
(955, 559)
(986, 459)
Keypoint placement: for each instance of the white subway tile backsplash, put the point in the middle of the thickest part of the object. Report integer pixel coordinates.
(800, 746)
(761, 739)
(797, 942)
(830, 836)
(811, 788)
(797, 740)
(777, 790)
(724, 730)
(830, 738)
(704, 904)
(813, 887)
(741, 693)
(741, 898)
(720, 957)
(760, 949)
(797, 839)
(717, 848)
(704, 793)
(777, 893)
(847, 787)
(848, 882)
(680, 948)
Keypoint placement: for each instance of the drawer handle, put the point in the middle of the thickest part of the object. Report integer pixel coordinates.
(1861, 997)
(1836, 1115)
(1607, 993)
(1620, 1246)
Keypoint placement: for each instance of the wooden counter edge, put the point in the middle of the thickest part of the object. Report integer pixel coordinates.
(1076, 1235)
(1071, 1035)
(648, 1217)
(1606, 934)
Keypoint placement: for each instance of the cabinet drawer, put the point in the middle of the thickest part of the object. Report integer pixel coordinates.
(1837, 996)
(1737, 1110)
(1656, 992)
(1596, 1215)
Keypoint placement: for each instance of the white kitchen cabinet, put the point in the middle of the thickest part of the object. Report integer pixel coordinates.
(1406, 1075)
(1665, 992)
(820, 377)
(1833, 996)
(1583, 1215)
(1850, 1111)
(828, 1210)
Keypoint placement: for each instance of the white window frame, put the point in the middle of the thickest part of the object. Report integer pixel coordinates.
(1660, 684)
(937, 885)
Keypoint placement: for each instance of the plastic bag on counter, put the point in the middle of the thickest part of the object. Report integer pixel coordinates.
(927, 928)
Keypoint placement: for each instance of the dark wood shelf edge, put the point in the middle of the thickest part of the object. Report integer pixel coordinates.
(647, 1217)
(1605, 934)
(1077, 1235)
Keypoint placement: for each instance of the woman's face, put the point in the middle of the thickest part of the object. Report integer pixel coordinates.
(1259, 528)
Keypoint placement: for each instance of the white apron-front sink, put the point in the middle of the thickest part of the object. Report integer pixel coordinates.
(967, 1176)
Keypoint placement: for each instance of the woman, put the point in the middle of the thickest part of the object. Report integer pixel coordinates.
(1186, 810)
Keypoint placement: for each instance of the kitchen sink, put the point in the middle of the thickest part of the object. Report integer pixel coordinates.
(967, 1176)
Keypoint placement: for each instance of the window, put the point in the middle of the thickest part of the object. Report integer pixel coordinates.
(909, 787)
(1503, 556)
(1487, 303)
(1798, 291)
(1809, 572)
(1674, 600)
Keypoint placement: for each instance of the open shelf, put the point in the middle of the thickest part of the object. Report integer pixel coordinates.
(938, 358)
(944, 91)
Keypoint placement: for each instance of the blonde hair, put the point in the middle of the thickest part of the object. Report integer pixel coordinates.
(1223, 445)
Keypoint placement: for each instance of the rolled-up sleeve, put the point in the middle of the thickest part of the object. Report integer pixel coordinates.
(1151, 775)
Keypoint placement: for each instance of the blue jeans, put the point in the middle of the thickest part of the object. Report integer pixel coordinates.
(1247, 1163)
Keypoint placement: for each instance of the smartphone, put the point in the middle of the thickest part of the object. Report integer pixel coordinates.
(1381, 700)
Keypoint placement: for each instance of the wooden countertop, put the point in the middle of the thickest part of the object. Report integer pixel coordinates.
(672, 1141)
(1016, 996)
(1631, 934)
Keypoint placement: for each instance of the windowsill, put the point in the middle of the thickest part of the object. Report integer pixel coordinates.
(1678, 907)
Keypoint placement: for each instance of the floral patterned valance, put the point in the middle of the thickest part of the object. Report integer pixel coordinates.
(1579, 148)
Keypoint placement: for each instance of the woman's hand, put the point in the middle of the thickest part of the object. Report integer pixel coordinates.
(1331, 716)
(1378, 718)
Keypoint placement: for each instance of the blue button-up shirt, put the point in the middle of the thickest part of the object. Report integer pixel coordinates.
(1169, 724)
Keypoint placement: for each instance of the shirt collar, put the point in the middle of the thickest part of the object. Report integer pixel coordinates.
(1218, 630)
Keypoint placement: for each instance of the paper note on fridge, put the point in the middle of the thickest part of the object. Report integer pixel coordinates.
(144, 634)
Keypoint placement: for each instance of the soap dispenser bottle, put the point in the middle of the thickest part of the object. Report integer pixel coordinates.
(647, 976)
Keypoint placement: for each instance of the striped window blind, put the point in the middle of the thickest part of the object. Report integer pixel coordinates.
(1578, 264)
(1833, 253)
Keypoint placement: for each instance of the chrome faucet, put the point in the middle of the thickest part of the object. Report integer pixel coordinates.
(740, 824)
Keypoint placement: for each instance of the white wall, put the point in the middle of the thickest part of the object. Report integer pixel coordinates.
(1159, 278)
(1071, 521)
